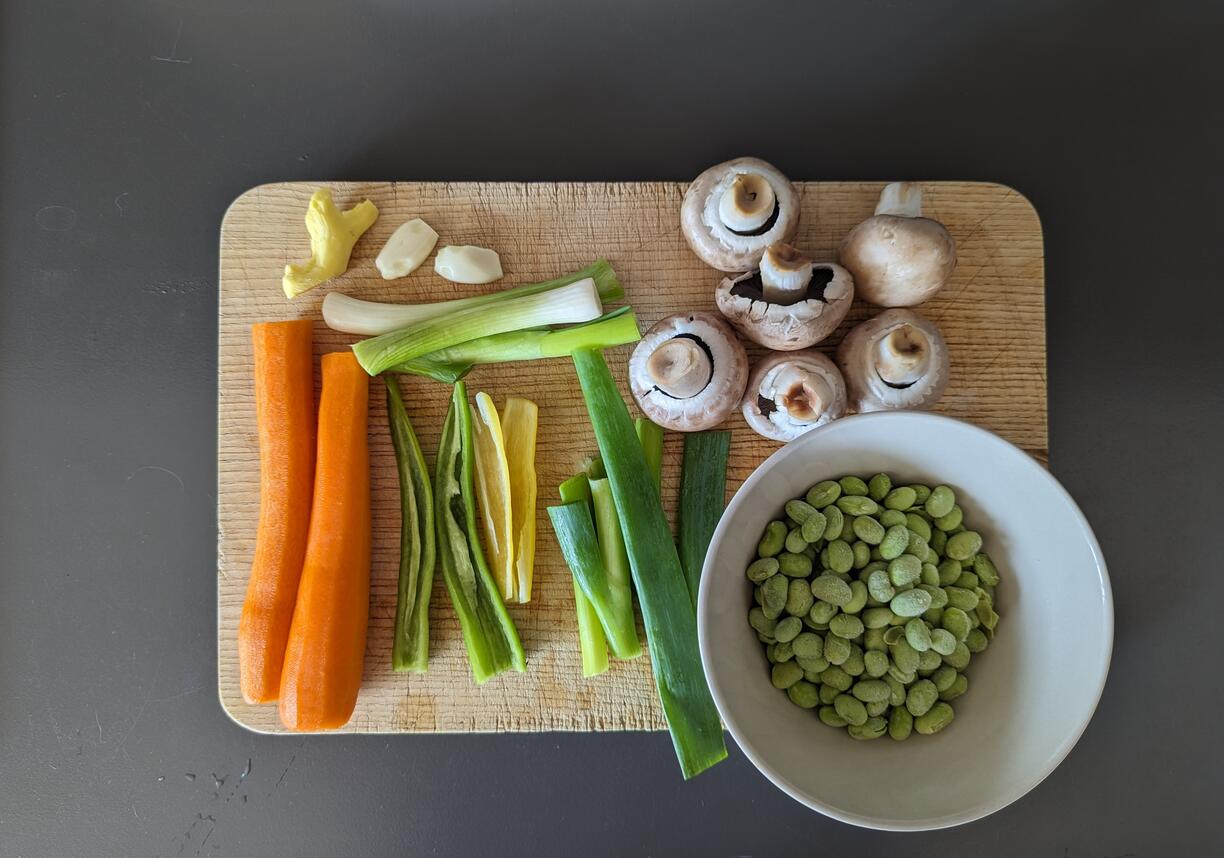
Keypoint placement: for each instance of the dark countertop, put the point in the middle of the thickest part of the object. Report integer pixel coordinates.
(127, 128)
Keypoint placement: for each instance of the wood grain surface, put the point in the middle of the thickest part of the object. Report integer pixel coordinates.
(992, 314)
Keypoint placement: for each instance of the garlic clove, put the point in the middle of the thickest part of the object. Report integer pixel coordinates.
(747, 203)
(680, 367)
(406, 249)
(468, 264)
(785, 274)
(903, 357)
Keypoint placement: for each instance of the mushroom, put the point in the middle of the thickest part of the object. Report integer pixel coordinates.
(898, 257)
(791, 303)
(896, 360)
(734, 210)
(792, 392)
(688, 372)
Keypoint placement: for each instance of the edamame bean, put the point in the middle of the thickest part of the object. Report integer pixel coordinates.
(813, 528)
(959, 657)
(936, 718)
(969, 581)
(921, 492)
(976, 641)
(897, 689)
(901, 498)
(773, 596)
(823, 493)
(952, 520)
(831, 589)
(854, 664)
(943, 678)
(850, 708)
(862, 553)
(836, 678)
(822, 612)
(918, 635)
(957, 622)
(879, 486)
(964, 545)
(939, 541)
(836, 649)
(879, 586)
(827, 694)
(917, 546)
(799, 511)
(893, 634)
(911, 603)
(904, 656)
(903, 570)
(985, 569)
(786, 674)
(928, 662)
(829, 716)
(869, 530)
(759, 570)
(812, 667)
(958, 687)
(879, 707)
(940, 502)
(795, 543)
(763, 624)
(772, 542)
(841, 556)
(845, 626)
(930, 575)
(799, 598)
(794, 565)
(921, 696)
(900, 723)
(808, 645)
(803, 694)
(873, 639)
(892, 517)
(877, 618)
(875, 663)
(962, 599)
(853, 486)
(835, 522)
(906, 679)
(783, 651)
(874, 728)
(917, 524)
(788, 629)
(949, 572)
(858, 598)
(943, 641)
(857, 505)
(871, 690)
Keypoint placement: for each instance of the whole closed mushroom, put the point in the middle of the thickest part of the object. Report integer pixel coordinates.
(736, 209)
(898, 257)
(897, 360)
(790, 393)
(791, 303)
(688, 372)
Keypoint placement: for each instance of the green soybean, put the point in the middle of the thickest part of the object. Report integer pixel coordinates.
(874, 728)
(879, 486)
(900, 723)
(829, 716)
(853, 486)
(892, 517)
(918, 635)
(936, 718)
(880, 586)
(922, 695)
(911, 603)
(788, 629)
(822, 612)
(845, 626)
(877, 618)
(822, 494)
(957, 622)
(854, 664)
(951, 520)
(759, 570)
(985, 569)
(836, 649)
(799, 598)
(795, 543)
(804, 694)
(858, 598)
(799, 511)
(917, 524)
(850, 708)
(773, 595)
(794, 565)
(841, 556)
(964, 545)
(943, 678)
(763, 624)
(813, 528)
(940, 502)
(869, 530)
(921, 492)
(786, 674)
(928, 662)
(856, 505)
(835, 522)
(958, 687)
(959, 657)
(897, 689)
(875, 663)
(772, 542)
(962, 599)
(831, 589)
(827, 694)
(943, 641)
(901, 498)
(836, 678)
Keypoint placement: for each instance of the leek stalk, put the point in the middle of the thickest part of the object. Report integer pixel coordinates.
(592, 644)
(703, 485)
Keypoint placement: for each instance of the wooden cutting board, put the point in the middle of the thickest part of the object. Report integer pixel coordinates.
(992, 314)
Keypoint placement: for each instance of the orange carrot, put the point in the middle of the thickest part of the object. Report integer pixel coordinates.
(323, 659)
(284, 407)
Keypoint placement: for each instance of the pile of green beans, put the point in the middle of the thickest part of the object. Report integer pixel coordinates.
(871, 599)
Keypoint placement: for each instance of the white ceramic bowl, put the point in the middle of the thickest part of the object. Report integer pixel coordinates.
(1031, 694)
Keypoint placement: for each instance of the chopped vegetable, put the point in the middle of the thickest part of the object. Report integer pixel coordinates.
(493, 493)
(667, 611)
(285, 413)
(326, 648)
(406, 249)
(468, 264)
(617, 606)
(650, 435)
(418, 551)
(703, 486)
(592, 644)
(451, 364)
(520, 420)
(332, 236)
(492, 641)
(369, 318)
(577, 302)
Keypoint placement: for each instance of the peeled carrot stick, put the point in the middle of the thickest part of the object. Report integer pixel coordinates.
(284, 406)
(327, 639)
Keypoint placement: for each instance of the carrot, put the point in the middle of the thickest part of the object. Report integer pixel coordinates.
(327, 639)
(284, 407)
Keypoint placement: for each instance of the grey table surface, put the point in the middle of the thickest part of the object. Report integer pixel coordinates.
(127, 127)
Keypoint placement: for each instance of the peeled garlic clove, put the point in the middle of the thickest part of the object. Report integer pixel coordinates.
(406, 249)
(785, 274)
(903, 356)
(680, 367)
(468, 264)
(747, 203)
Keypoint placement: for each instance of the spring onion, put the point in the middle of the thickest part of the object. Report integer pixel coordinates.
(492, 641)
(410, 637)
(703, 485)
(370, 318)
(667, 611)
(592, 644)
(650, 435)
(451, 364)
(577, 302)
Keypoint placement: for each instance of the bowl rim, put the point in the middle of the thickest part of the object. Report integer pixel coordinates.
(1015, 791)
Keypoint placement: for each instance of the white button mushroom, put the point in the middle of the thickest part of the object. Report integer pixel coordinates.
(688, 372)
(899, 258)
(897, 360)
(790, 393)
(792, 303)
(734, 210)
(468, 264)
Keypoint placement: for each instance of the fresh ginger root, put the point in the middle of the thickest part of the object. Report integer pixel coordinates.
(332, 236)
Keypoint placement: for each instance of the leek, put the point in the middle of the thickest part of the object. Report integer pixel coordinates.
(619, 625)
(488, 632)
(370, 318)
(410, 636)
(667, 612)
(577, 302)
(451, 364)
(592, 644)
(650, 436)
(703, 486)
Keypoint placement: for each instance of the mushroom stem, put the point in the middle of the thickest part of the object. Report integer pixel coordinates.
(901, 199)
(802, 394)
(680, 367)
(747, 203)
(785, 274)
(903, 356)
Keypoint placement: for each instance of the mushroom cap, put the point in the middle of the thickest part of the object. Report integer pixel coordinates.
(787, 327)
(717, 399)
(857, 357)
(703, 227)
(760, 405)
(898, 261)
